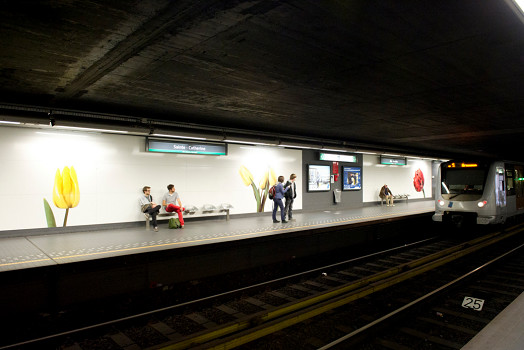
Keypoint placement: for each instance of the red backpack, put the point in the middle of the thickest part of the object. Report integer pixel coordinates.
(272, 192)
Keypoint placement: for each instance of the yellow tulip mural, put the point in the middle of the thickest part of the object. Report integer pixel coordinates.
(66, 194)
(268, 179)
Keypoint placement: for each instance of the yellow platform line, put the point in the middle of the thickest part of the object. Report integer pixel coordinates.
(211, 239)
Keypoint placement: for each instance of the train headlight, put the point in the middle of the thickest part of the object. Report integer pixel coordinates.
(482, 204)
(441, 202)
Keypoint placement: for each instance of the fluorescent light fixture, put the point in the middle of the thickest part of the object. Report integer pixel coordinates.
(248, 142)
(295, 146)
(392, 155)
(61, 133)
(179, 137)
(362, 152)
(334, 150)
(8, 122)
(89, 129)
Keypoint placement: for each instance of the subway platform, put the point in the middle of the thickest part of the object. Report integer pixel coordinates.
(63, 248)
(53, 271)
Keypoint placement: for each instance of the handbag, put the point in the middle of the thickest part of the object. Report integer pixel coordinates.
(145, 207)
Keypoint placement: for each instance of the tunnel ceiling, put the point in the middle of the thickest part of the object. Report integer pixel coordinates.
(433, 77)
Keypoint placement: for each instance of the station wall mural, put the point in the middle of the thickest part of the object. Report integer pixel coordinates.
(68, 178)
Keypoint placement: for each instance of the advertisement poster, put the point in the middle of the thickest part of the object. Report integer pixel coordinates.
(319, 177)
(352, 178)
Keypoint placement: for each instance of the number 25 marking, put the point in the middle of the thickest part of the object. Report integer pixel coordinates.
(473, 303)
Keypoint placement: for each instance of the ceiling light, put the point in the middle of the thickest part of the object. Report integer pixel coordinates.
(334, 150)
(8, 122)
(247, 142)
(89, 129)
(294, 146)
(180, 137)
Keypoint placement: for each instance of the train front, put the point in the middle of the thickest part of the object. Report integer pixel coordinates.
(468, 193)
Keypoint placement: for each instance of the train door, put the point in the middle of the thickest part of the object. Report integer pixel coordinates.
(519, 185)
(500, 189)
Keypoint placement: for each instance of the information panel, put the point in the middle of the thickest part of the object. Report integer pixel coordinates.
(338, 157)
(185, 147)
(393, 160)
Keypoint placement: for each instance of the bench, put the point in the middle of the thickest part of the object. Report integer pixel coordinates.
(207, 209)
(397, 197)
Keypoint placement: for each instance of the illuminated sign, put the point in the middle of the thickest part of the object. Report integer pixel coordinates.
(463, 165)
(184, 147)
(393, 161)
(338, 157)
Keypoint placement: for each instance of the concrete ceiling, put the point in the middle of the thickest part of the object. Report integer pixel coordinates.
(441, 78)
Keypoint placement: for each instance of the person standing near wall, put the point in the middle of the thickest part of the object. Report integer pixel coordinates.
(279, 194)
(169, 202)
(148, 207)
(290, 196)
(385, 193)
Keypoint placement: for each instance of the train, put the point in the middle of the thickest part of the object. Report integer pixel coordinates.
(479, 192)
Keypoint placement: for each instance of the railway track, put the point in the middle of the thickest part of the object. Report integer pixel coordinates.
(442, 309)
(279, 311)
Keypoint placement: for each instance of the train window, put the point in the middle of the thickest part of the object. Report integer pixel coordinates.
(465, 184)
(518, 174)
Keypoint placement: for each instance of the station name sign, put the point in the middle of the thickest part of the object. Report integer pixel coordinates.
(185, 147)
(338, 157)
(393, 160)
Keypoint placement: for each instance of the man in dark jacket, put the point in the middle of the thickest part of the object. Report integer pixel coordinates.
(290, 197)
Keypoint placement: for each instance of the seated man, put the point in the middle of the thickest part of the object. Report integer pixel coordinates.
(148, 207)
(169, 202)
(385, 193)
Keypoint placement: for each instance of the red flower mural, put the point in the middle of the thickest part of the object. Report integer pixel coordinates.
(418, 182)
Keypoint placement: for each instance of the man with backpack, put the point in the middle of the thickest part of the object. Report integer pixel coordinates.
(290, 196)
(279, 194)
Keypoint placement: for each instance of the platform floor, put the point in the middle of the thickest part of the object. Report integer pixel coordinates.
(36, 251)
(504, 332)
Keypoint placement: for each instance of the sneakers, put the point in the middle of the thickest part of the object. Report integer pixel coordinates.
(156, 228)
(284, 222)
(276, 221)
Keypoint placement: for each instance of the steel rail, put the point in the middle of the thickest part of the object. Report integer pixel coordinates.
(211, 297)
(243, 331)
(421, 299)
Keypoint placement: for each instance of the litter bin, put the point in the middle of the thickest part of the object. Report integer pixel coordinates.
(337, 195)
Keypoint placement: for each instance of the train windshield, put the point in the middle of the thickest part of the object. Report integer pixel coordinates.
(463, 183)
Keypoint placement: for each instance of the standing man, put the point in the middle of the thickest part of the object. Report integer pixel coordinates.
(148, 207)
(290, 196)
(279, 195)
(385, 193)
(169, 202)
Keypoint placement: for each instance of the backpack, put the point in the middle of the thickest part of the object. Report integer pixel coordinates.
(272, 192)
(174, 223)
